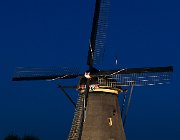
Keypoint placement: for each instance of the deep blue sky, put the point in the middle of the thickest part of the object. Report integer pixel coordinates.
(41, 33)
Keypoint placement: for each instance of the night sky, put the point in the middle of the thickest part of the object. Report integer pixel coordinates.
(42, 33)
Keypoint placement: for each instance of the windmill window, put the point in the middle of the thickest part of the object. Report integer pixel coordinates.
(114, 112)
(110, 121)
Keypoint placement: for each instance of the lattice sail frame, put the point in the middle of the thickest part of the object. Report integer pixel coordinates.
(135, 76)
(136, 79)
(102, 32)
(22, 73)
(98, 33)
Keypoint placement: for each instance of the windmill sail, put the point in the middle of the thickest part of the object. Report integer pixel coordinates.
(44, 74)
(135, 76)
(98, 33)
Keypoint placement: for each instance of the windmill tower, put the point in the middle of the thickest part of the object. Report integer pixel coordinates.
(97, 115)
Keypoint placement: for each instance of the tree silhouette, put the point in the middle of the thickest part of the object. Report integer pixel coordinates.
(16, 137)
(12, 137)
(28, 137)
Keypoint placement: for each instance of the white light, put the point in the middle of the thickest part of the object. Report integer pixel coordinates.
(151, 84)
(153, 76)
(87, 75)
(144, 80)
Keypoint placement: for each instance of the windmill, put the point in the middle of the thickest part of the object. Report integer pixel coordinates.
(97, 114)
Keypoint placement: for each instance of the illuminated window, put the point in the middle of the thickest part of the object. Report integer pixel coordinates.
(110, 121)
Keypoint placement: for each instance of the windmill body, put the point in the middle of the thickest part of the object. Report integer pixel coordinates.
(97, 115)
(103, 120)
(100, 119)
